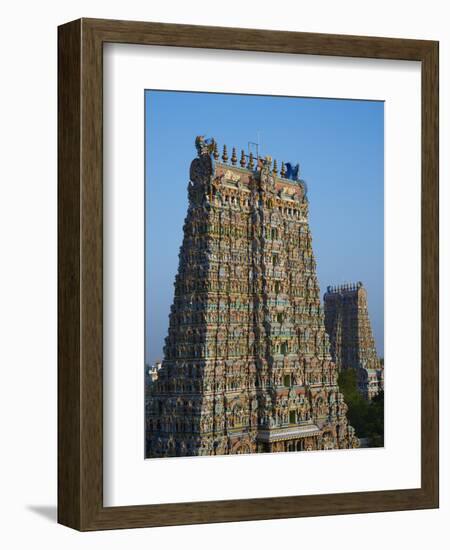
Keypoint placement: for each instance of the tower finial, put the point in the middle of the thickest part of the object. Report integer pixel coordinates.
(216, 151)
(251, 162)
(242, 162)
(233, 157)
(225, 154)
(275, 167)
(283, 169)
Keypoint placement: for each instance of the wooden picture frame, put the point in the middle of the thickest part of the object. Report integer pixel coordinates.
(80, 273)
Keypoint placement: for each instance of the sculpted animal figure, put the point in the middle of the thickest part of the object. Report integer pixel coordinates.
(204, 146)
(292, 172)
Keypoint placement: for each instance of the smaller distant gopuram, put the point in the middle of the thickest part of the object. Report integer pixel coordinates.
(351, 339)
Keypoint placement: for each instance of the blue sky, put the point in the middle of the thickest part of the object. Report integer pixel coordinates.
(340, 147)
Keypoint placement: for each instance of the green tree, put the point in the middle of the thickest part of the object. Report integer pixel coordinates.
(367, 417)
(375, 421)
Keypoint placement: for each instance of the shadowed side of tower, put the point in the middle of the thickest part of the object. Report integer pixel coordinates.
(247, 365)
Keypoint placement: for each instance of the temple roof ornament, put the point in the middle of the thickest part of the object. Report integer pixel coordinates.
(204, 146)
(216, 151)
(208, 146)
(292, 172)
(345, 287)
(251, 161)
(225, 154)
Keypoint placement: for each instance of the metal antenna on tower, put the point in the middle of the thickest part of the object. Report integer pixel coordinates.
(256, 144)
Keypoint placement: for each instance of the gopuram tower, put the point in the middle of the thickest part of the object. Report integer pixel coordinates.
(247, 365)
(352, 344)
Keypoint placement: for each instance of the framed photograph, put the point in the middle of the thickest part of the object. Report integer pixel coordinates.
(248, 274)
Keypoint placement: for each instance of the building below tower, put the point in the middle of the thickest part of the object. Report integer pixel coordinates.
(352, 343)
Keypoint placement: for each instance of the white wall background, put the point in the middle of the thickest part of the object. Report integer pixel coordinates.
(28, 274)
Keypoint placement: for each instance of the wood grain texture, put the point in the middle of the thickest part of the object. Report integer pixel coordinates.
(69, 246)
(430, 273)
(80, 264)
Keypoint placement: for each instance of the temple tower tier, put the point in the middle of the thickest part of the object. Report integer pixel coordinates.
(247, 365)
